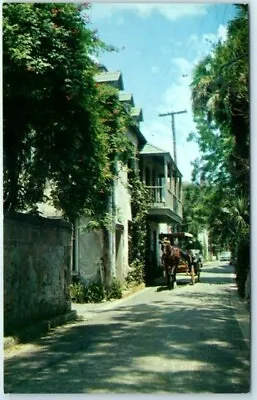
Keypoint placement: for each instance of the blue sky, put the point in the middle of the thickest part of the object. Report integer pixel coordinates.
(159, 44)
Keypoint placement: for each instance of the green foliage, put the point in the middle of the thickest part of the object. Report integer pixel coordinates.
(47, 67)
(77, 292)
(115, 121)
(220, 94)
(138, 245)
(69, 132)
(94, 292)
(218, 208)
(136, 274)
(194, 211)
(115, 291)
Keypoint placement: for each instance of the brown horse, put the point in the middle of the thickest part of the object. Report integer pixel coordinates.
(171, 256)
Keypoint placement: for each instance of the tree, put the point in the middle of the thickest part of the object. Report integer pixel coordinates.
(61, 128)
(52, 129)
(194, 214)
(220, 98)
(221, 105)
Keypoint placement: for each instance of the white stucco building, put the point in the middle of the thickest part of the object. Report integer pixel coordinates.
(104, 254)
(161, 175)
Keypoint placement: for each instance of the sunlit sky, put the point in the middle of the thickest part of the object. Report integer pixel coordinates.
(159, 45)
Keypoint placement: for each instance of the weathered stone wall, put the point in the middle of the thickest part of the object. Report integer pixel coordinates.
(90, 252)
(37, 260)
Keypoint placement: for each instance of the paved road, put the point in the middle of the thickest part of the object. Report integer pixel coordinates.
(187, 340)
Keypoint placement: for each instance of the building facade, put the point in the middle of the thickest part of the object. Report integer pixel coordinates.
(164, 182)
(103, 254)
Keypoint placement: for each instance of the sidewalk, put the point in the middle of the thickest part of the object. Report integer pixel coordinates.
(242, 314)
(89, 310)
(33, 331)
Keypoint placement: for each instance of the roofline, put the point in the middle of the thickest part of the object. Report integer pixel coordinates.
(156, 153)
(119, 80)
(139, 115)
(139, 134)
(162, 153)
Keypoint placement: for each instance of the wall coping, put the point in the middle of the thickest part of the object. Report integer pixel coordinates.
(37, 220)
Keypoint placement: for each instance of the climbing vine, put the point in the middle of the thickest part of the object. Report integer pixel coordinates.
(113, 121)
(138, 232)
(69, 131)
(48, 85)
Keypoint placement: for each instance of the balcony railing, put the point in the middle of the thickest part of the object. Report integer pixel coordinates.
(177, 206)
(162, 197)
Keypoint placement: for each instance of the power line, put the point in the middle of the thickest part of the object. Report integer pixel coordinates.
(172, 114)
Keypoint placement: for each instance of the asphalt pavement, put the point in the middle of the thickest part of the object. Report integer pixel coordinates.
(193, 339)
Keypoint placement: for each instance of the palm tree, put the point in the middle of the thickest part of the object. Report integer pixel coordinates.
(220, 95)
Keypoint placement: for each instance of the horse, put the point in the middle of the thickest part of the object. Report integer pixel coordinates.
(171, 256)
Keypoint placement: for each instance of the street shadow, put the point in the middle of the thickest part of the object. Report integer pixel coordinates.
(162, 288)
(159, 347)
(179, 283)
(217, 274)
(215, 280)
(222, 269)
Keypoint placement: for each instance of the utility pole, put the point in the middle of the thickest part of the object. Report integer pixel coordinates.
(172, 114)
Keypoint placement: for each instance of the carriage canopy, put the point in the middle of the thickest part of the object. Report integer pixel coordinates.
(182, 239)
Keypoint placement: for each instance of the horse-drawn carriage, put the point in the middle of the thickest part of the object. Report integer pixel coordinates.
(175, 261)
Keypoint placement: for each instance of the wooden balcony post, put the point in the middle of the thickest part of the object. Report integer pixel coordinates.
(170, 177)
(173, 171)
(180, 188)
(165, 170)
(165, 183)
(151, 176)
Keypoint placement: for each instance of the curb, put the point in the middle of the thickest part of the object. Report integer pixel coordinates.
(132, 290)
(89, 310)
(242, 315)
(34, 331)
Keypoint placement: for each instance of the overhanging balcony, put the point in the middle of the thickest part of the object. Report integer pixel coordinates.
(164, 206)
(163, 179)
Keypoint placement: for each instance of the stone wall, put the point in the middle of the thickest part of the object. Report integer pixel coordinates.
(37, 261)
(90, 252)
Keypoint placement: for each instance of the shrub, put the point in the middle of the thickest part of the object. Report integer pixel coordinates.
(93, 292)
(136, 273)
(77, 292)
(115, 291)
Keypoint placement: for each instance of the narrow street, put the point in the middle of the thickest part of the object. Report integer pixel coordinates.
(187, 340)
